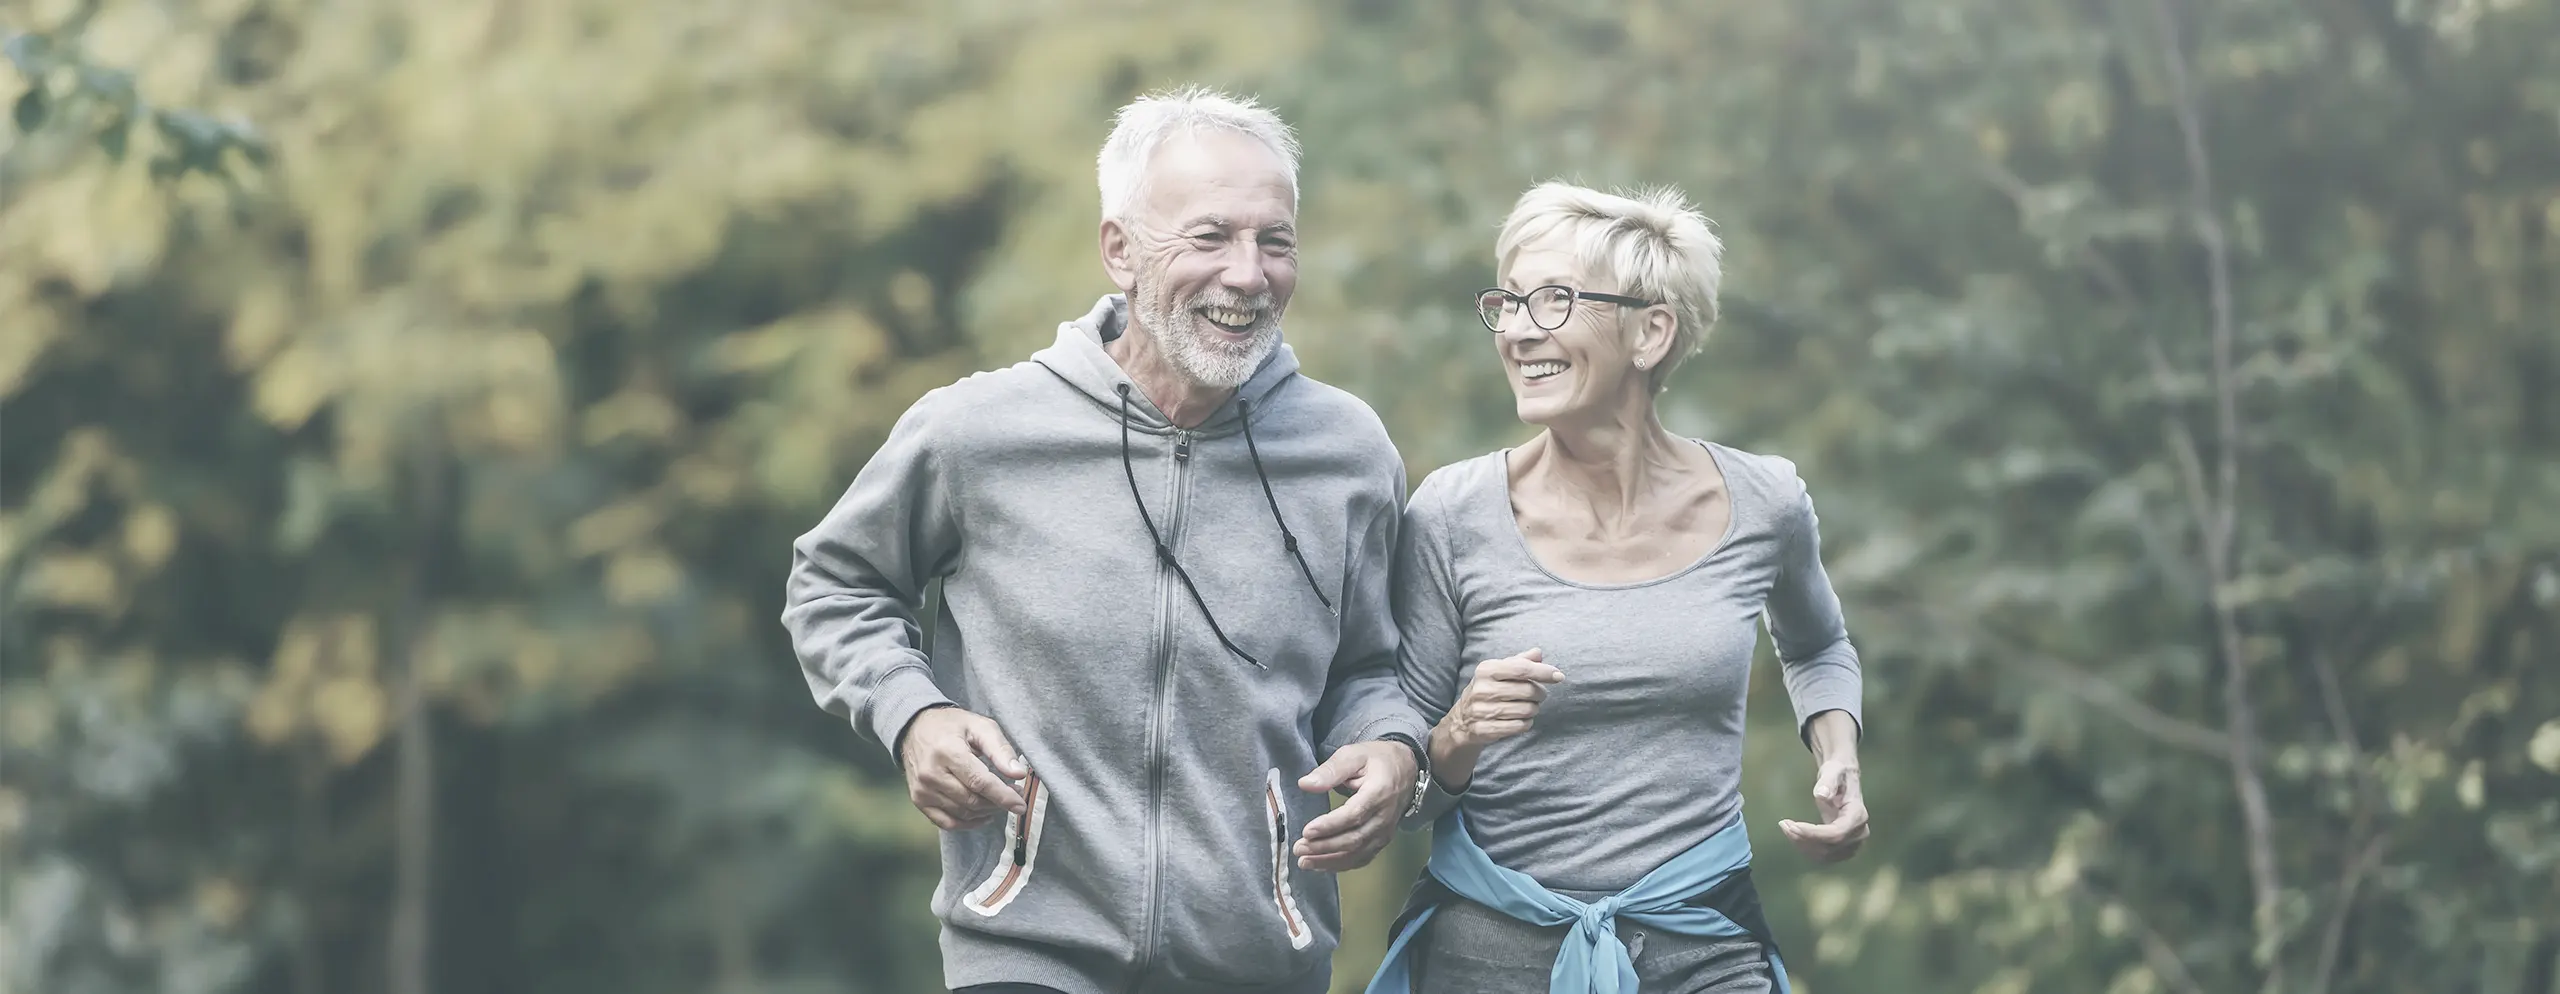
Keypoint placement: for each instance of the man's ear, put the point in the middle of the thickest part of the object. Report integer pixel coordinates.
(1120, 254)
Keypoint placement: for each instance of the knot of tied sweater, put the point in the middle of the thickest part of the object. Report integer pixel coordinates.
(1592, 958)
(1599, 919)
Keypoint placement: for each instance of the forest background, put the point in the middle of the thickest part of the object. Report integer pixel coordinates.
(406, 406)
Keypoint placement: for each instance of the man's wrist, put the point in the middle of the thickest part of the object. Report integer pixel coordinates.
(1420, 755)
(898, 746)
(1422, 768)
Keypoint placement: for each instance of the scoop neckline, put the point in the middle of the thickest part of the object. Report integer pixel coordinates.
(1520, 539)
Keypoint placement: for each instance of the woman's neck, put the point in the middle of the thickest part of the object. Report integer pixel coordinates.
(1608, 463)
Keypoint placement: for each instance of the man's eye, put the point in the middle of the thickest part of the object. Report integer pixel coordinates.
(1209, 236)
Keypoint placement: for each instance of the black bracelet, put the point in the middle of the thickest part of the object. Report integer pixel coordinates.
(1422, 766)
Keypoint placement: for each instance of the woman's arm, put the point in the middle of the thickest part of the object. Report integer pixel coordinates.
(1811, 635)
(1429, 638)
(1824, 683)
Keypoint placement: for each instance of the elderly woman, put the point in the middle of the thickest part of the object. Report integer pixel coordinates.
(1579, 615)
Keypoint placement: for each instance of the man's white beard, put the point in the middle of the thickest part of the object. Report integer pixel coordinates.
(1208, 361)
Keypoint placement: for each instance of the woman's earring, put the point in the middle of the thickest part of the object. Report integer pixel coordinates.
(1639, 364)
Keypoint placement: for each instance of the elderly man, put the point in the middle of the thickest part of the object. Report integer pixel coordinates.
(1164, 636)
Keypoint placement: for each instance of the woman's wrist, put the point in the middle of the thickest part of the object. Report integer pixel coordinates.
(1834, 737)
(1453, 761)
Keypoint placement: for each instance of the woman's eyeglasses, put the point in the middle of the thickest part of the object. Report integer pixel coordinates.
(1548, 306)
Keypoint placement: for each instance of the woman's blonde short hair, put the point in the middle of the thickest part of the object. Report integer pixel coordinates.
(1647, 243)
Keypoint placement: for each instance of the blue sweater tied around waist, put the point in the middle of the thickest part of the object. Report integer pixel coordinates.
(1699, 893)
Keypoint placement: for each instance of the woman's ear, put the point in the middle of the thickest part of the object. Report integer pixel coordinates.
(1654, 330)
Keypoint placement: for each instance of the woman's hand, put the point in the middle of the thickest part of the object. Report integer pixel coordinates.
(1836, 794)
(1500, 701)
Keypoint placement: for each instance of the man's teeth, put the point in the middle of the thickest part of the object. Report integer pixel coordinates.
(1540, 370)
(1227, 316)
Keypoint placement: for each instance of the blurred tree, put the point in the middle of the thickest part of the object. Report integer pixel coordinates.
(390, 534)
(2172, 379)
(393, 538)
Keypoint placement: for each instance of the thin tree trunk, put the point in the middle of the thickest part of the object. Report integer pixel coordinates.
(733, 940)
(414, 819)
(414, 790)
(2542, 966)
(2217, 513)
(311, 826)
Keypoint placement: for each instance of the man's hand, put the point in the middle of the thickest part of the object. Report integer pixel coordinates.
(1844, 815)
(1379, 776)
(947, 752)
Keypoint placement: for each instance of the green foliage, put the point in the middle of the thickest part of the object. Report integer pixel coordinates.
(1969, 293)
(64, 91)
(394, 493)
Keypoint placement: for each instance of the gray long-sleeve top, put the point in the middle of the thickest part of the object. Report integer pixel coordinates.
(1637, 755)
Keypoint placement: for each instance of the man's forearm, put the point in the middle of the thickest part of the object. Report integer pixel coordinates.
(1362, 706)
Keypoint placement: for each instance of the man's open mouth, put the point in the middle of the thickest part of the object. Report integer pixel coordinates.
(1229, 319)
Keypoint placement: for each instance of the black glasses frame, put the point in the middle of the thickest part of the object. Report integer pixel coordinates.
(1572, 296)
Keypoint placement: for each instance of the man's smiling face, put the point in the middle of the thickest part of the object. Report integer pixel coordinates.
(1215, 255)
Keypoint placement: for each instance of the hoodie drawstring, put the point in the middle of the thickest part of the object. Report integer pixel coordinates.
(1244, 413)
(1164, 554)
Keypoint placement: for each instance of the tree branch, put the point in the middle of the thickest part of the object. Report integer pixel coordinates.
(2010, 184)
(2361, 860)
(2217, 516)
(2168, 729)
(2089, 689)
(2365, 841)
(2164, 958)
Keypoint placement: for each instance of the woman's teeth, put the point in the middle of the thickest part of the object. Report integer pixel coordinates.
(1540, 370)
(1233, 320)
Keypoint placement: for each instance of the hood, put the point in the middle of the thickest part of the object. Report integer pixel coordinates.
(1077, 357)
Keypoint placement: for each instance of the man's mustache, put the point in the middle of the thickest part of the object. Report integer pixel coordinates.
(1259, 303)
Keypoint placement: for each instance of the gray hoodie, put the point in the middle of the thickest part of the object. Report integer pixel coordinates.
(1164, 796)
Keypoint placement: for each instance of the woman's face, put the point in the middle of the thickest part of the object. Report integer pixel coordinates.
(1584, 367)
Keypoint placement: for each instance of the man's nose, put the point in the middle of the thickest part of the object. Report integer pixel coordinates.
(1243, 269)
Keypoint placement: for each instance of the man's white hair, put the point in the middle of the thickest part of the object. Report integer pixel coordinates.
(1647, 243)
(1149, 121)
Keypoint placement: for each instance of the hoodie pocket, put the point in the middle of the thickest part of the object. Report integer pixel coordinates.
(1275, 807)
(1021, 852)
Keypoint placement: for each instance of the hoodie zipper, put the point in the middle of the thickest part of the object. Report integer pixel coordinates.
(1157, 721)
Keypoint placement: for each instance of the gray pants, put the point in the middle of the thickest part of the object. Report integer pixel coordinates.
(1467, 948)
